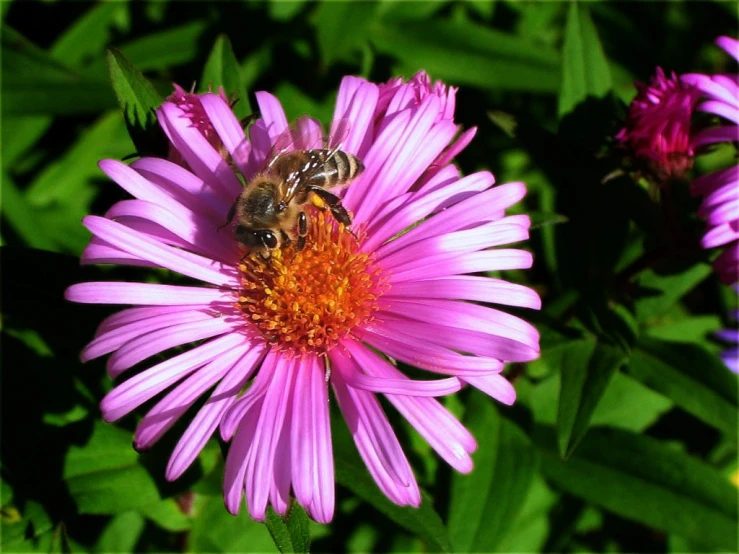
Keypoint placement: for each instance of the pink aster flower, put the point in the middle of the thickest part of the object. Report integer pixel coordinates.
(338, 314)
(657, 129)
(720, 189)
(730, 356)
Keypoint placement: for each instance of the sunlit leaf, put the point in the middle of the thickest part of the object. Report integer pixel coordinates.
(105, 477)
(122, 533)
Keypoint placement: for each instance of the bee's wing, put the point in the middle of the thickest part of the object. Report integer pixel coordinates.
(304, 133)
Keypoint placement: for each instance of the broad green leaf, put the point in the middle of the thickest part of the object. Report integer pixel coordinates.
(342, 28)
(26, 131)
(529, 530)
(36, 83)
(586, 366)
(165, 49)
(284, 10)
(167, 514)
(67, 179)
(86, 38)
(23, 218)
(351, 473)
(695, 329)
(692, 377)
(584, 67)
(105, 477)
(138, 100)
(663, 291)
(626, 403)
(642, 479)
(122, 533)
(484, 503)
(469, 55)
(291, 535)
(215, 530)
(223, 70)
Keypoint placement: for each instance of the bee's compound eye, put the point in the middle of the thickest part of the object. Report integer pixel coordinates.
(269, 239)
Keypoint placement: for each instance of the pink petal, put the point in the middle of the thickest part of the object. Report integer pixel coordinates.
(496, 386)
(145, 293)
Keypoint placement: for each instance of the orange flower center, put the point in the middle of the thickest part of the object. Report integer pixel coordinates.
(307, 301)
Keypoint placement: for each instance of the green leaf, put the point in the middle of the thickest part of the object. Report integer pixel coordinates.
(167, 514)
(692, 377)
(584, 66)
(586, 366)
(529, 530)
(105, 477)
(86, 38)
(165, 49)
(138, 100)
(122, 533)
(642, 479)
(36, 83)
(26, 131)
(23, 218)
(333, 20)
(223, 70)
(215, 530)
(484, 502)
(667, 289)
(21, 529)
(351, 473)
(469, 54)
(291, 535)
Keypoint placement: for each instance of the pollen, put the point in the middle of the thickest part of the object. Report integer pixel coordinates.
(308, 300)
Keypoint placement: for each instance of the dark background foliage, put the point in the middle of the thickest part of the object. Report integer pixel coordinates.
(624, 437)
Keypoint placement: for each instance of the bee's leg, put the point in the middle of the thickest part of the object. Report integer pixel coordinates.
(302, 231)
(334, 204)
(231, 214)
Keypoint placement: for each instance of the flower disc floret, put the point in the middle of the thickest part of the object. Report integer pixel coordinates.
(308, 300)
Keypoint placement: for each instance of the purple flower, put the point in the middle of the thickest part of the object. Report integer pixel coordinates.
(720, 190)
(657, 128)
(398, 290)
(730, 356)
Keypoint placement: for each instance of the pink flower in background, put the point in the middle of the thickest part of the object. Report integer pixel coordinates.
(720, 189)
(408, 292)
(192, 109)
(657, 128)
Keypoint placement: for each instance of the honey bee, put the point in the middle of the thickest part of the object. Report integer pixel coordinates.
(270, 213)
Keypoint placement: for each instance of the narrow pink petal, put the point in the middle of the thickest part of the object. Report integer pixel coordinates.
(476, 209)
(254, 393)
(143, 347)
(713, 135)
(404, 385)
(132, 315)
(400, 494)
(469, 287)
(167, 257)
(426, 252)
(302, 437)
(204, 160)
(434, 429)
(135, 391)
(708, 183)
(134, 183)
(145, 293)
(272, 114)
(360, 111)
(100, 252)
(185, 187)
(475, 262)
(235, 471)
(279, 492)
(206, 421)
(465, 315)
(729, 45)
(107, 342)
(494, 385)
(727, 111)
(719, 236)
(420, 353)
(170, 408)
(323, 492)
(413, 207)
(261, 460)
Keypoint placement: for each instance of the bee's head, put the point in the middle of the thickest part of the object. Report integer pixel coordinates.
(263, 239)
